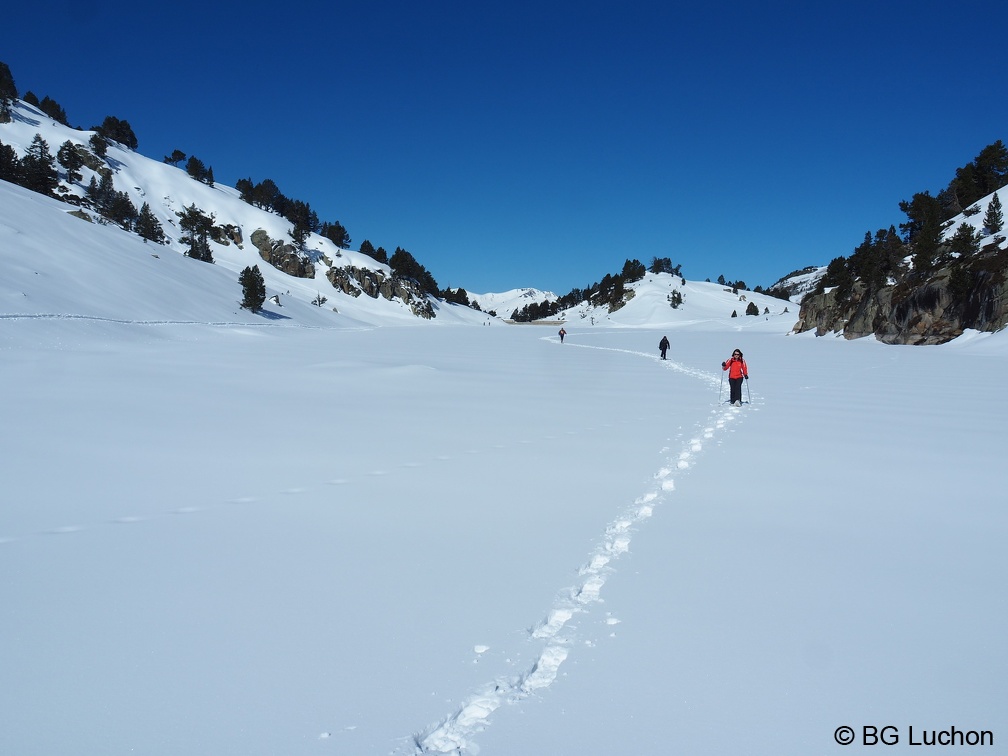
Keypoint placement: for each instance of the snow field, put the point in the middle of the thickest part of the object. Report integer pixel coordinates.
(455, 733)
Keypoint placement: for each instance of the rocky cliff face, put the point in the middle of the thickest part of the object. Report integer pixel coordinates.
(356, 281)
(348, 279)
(282, 256)
(966, 293)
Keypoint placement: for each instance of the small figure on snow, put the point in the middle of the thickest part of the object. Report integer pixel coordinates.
(737, 371)
(663, 345)
(562, 333)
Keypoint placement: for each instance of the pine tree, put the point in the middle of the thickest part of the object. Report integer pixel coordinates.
(92, 191)
(148, 226)
(8, 93)
(196, 227)
(923, 228)
(102, 192)
(175, 158)
(266, 195)
(121, 210)
(39, 167)
(965, 241)
(405, 265)
(196, 169)
(337, 234)
(71, 159)
(633, 270)
(253, 288)
(99, 145)
(661, 265)
(245, 189)
(53, 109)
(367, 248)
(994, 219)
(118, 131)
(10, 164)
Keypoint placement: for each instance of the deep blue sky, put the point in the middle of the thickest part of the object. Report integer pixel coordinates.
(544, 143)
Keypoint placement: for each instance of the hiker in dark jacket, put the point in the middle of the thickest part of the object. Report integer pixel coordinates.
(663, 345)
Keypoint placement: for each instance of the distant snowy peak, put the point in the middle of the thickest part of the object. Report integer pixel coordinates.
(504, 303)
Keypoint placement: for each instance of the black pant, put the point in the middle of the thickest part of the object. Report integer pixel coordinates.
(736, 389)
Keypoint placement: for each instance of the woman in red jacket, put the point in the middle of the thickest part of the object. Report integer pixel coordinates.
(737, 371)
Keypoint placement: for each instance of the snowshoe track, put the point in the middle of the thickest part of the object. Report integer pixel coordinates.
(454, 734)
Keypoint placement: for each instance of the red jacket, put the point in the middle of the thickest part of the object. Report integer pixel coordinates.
(736, 368)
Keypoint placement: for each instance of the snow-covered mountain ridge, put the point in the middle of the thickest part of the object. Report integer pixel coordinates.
(46, 227)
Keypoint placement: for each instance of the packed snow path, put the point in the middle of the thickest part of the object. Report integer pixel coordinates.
(554, 633)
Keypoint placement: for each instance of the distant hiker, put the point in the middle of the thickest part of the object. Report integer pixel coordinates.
(663, 345)
(737, 371)
(562, 334)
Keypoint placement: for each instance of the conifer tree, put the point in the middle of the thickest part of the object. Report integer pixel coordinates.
(8, 93)
(53, 109)
(148, 226)
(406, 266)
(965, 240)
(253, 288)
(118, 131)
(175, 158)
(923, 228)
(337, 234)
(633, 270)
(245, 189)
(103, 192)
(196, 169)
(10, 164)
(266, 195)
(121, 210)
(71, 159)
(196, 227)
(994, 219)
(367, 248)
(39, 167)
(92, 191)
(99, 145)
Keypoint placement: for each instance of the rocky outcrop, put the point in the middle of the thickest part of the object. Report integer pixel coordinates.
(227, 234)
(374, 283)
(967, 293)
(281, 256)
(349, 279)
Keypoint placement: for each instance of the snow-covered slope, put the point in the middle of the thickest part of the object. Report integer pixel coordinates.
(48, 231)
(39, 233)
(651, 305)
(973, 217)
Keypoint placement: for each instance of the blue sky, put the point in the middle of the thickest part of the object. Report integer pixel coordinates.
(542, 144)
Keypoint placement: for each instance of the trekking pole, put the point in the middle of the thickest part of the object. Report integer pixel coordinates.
(747, 389)
(720, 389)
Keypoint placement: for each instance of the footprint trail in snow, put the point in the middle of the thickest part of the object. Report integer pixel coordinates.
(454, 734)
